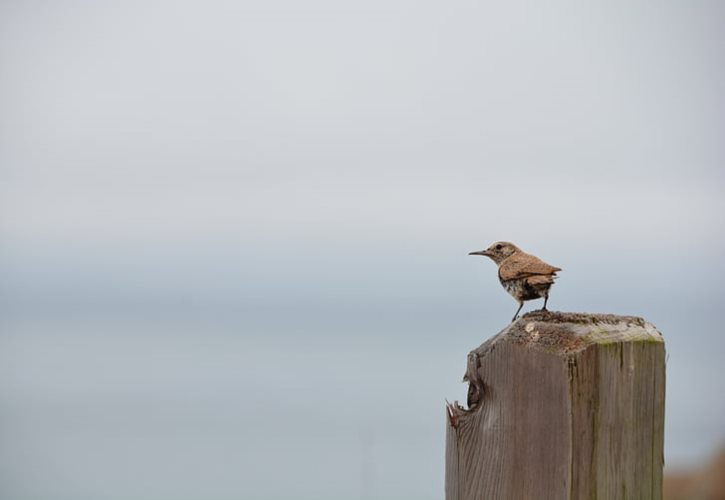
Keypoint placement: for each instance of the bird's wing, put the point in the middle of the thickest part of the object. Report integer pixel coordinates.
(540, 279)
(523, 265)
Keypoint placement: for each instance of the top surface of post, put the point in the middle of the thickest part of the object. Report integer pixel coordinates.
(567, 333)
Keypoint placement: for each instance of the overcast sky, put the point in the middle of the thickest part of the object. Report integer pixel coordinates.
(287, 163)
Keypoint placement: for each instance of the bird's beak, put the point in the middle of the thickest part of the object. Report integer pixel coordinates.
(480, 252)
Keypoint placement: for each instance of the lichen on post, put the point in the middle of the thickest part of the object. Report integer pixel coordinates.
(561, 406)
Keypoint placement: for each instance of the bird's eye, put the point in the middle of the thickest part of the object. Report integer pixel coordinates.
(499, 247)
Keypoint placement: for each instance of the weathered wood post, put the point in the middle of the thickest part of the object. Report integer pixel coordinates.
(561, 406)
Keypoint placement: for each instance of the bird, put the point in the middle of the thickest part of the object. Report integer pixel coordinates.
(522, 275)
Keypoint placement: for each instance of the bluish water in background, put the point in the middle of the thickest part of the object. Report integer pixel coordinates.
(314, 398)
(174, 411)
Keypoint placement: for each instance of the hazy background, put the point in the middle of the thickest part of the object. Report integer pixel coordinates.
(233, 235)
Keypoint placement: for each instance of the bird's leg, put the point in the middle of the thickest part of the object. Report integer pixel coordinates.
(521, 304)
(546, 299)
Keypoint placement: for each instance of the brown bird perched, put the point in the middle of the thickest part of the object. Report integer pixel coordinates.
(523, 276)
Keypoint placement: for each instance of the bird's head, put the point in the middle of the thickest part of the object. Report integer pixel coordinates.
(498, 251)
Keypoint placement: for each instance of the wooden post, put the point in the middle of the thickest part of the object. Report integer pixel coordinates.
(561, 406)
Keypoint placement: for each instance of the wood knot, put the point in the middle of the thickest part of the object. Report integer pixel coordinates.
(474, 395)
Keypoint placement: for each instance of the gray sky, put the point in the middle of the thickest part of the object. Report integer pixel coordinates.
(274, 178)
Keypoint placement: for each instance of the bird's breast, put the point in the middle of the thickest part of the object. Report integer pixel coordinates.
(513, 287)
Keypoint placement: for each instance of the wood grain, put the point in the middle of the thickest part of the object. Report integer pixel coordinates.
(561, 406)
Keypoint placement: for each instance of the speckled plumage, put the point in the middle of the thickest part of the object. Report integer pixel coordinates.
(522, 275)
